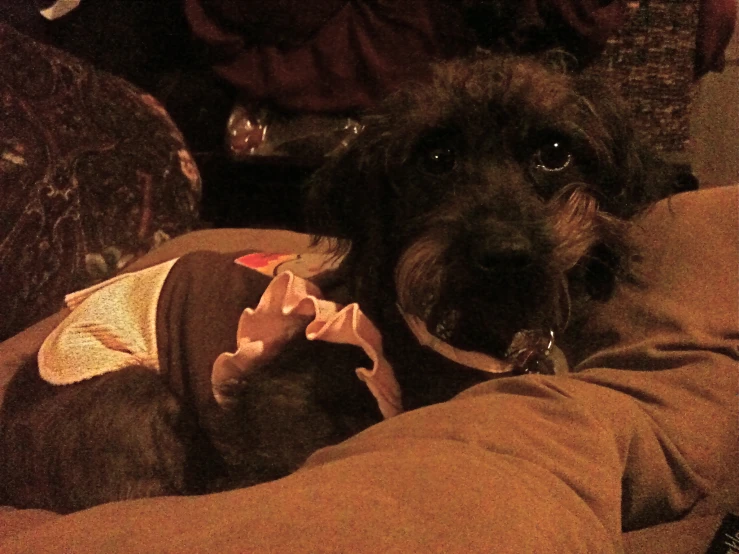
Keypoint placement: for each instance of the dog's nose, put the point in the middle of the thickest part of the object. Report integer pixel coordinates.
(496, 253)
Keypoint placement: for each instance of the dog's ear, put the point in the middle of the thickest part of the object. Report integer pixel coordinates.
(327, 206)
(632, 174)
(348, 193)
(331, 194)
(348, 200)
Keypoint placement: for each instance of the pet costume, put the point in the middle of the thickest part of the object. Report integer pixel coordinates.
(166, 318)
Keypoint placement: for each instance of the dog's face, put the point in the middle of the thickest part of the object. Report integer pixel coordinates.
(467, 202)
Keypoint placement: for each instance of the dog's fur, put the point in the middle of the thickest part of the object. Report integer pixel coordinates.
(492, 200)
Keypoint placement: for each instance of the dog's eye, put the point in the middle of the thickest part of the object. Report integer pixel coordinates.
(554, 154)
(438, 159)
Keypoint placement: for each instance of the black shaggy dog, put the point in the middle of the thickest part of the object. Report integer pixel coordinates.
(485, 211)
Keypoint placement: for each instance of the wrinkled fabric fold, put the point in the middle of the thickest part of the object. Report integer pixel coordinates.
(291, 305)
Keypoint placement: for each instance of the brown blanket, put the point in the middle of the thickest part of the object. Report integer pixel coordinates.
(637, 453)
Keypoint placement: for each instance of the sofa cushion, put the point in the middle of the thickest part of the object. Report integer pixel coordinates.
(93, 173)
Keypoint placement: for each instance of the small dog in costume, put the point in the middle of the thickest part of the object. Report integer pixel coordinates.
(477, 217)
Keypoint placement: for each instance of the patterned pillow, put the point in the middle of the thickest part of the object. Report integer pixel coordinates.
(93, 173)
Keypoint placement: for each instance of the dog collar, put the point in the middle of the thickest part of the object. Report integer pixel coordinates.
(475, 360)
(531, 351)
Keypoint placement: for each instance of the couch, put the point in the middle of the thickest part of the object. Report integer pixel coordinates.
(637, 451)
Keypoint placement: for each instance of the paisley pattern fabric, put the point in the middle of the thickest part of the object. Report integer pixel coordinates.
(93, 173)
